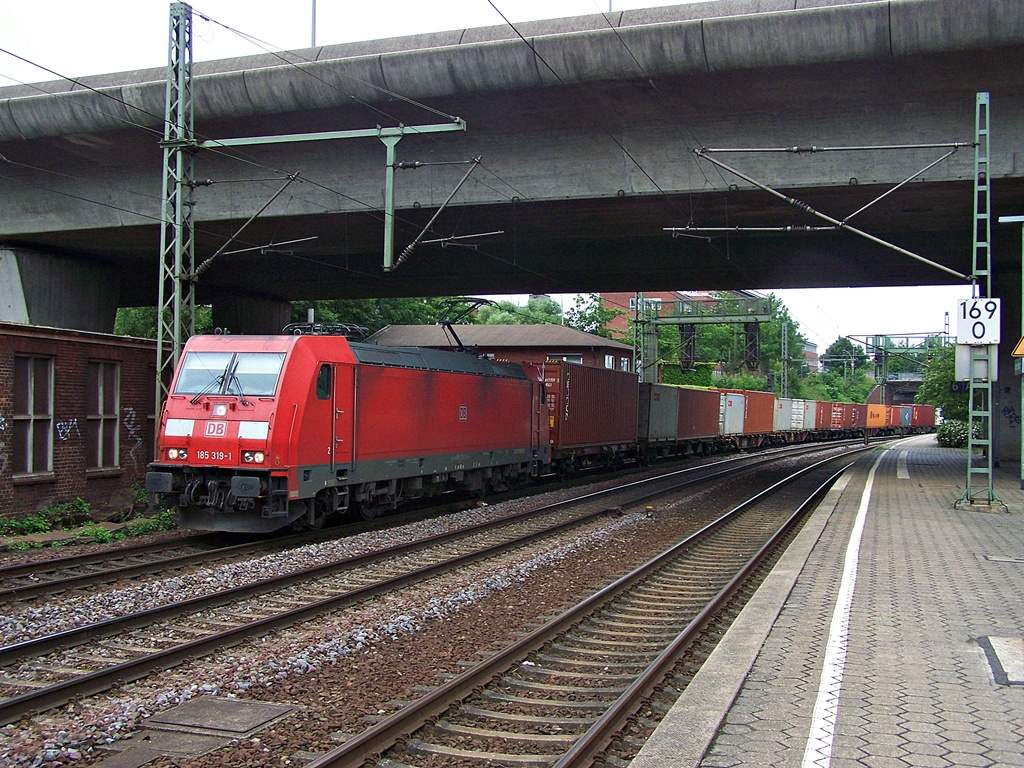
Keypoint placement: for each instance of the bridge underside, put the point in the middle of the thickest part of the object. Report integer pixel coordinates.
(580, 180)
(609, 244)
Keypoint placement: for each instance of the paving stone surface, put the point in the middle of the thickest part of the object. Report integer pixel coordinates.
(917, 687)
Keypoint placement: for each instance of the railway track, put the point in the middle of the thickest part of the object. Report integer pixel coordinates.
(67, 573)
(561, 695)
(45, 578)
(47, 671)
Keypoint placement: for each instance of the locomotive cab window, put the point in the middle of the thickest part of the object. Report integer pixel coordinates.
(230, 373)
(323, 382)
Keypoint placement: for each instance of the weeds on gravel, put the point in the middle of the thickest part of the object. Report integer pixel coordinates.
(69, 516)
(164, 521)
(98, 533)
(37, 522)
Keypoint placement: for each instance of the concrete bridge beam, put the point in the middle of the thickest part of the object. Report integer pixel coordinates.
(58, 291)
(240, 314)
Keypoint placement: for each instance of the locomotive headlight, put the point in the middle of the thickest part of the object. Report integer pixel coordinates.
(259, 457)
(177, 453)
(253, 457)
(247, 456)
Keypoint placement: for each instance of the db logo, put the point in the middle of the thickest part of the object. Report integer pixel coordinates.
(463, 412)
(216, 428)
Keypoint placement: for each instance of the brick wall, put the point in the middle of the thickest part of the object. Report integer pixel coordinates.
(71, 352)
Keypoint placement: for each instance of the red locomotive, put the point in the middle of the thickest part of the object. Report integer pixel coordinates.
(260, 432)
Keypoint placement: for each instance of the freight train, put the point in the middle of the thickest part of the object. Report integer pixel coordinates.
(263, 432)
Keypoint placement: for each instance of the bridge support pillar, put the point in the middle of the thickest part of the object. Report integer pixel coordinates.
(240, 314)
(1007, 418)
(45, 289)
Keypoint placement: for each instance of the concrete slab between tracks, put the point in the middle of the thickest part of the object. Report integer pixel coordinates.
(889, 634)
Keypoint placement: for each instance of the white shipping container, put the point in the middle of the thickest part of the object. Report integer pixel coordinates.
(810, 414)
(731, 413)
(783, 414)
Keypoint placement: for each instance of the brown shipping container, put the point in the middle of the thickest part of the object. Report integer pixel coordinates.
(892, 416)
(698, 413)
(759, 416)
(823, 416)
(859, 415)
(842, 416)
(878, 416)
(590, 407)
(923, 416)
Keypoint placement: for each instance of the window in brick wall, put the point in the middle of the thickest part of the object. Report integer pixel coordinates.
(103, 397)
(32, 452)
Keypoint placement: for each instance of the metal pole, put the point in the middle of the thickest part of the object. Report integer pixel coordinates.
(175, 318)
(313, 43)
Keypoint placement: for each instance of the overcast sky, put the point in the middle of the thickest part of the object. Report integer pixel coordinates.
(82, 38)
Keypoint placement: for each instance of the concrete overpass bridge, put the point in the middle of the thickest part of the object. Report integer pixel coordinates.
(586, 128)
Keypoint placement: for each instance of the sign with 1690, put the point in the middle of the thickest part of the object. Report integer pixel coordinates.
(977, 322)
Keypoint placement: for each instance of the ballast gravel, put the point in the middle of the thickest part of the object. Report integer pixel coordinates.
(77, 732)
(353, 663)
(27, 622)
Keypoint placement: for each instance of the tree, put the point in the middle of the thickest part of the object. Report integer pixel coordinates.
(140, 322)
(589, 315)
(536, 312)
(939, 374)
(372, 314)
(844, 356)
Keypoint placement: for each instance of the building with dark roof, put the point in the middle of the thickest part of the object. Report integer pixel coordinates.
(526, 343)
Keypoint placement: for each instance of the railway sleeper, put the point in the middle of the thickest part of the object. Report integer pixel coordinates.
(515, 737)
(527, 701)
(617, 640)
(567, 661)
(562, 674)
(479, 713)
(564, 690)
(638, 657)
(416, 746)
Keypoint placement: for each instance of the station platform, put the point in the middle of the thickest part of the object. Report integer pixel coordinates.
(888, 635)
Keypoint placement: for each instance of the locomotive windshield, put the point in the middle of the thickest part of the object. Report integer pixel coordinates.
(229, 373)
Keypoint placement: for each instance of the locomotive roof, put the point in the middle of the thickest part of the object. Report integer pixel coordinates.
(434, 360)
(544, 336)
(422, 358)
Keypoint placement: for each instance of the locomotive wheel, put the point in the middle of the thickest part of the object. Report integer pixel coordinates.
(368, 511)
(317, 516)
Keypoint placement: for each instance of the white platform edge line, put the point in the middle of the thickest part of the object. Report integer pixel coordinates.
(818, 753)
(689, 728)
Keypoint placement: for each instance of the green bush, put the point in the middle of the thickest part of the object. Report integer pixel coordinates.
(952, 434)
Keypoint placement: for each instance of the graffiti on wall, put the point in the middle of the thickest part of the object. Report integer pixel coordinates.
(65, 428)
(133, 426)
(3, 445)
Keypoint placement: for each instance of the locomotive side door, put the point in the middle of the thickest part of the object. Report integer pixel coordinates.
(343, 429)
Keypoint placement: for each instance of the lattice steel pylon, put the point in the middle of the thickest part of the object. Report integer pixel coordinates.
(979, 433)
(175, 318)
(784, 383)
